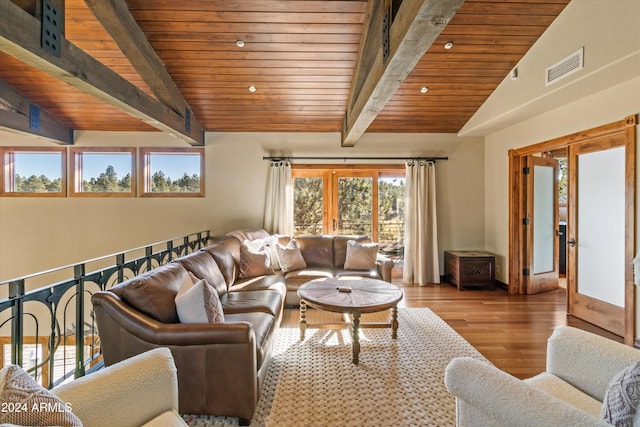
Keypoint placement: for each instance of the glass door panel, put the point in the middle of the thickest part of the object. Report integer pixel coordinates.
(355, 206)
(308, 194)
(600, 231)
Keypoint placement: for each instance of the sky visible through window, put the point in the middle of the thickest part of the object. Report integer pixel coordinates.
(173, 165)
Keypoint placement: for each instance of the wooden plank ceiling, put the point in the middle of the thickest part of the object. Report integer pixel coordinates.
(299, 55)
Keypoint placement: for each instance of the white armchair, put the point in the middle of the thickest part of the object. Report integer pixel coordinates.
(140, 391)
(580, 366)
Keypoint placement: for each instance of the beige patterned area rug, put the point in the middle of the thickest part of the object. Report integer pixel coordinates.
(397, 382)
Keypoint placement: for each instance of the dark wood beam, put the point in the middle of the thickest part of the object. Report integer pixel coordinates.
(20, 38)
(416, 25)
(16, 111)
(115, 17)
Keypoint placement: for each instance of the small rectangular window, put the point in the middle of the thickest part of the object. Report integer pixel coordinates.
(172, 172)
(33, 172)
(103, 172)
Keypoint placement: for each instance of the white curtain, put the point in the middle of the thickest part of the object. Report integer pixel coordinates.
(278, 210)
(421, 264)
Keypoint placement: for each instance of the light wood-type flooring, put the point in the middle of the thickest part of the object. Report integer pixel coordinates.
(509, 330)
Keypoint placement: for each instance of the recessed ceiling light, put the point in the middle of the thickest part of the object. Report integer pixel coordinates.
(448, 45)
(240, 43)
(424, 89)
(252, 89)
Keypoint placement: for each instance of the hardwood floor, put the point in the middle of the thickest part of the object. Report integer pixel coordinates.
(509, 330)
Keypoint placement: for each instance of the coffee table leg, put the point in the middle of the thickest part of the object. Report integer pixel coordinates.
(303, 319)
(394, 322)
(356, 338)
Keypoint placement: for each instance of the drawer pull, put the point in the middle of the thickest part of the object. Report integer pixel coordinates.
(476, 272)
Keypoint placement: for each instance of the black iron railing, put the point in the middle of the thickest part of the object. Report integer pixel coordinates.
(46, 319)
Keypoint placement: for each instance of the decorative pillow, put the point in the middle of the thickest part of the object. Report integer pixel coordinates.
(255, 260)
(622, 397)
(290, 257)
(199, 303)
(268, 244)
(361, 256)
(32, 404)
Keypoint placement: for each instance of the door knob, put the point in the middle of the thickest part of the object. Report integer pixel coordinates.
(572, 242)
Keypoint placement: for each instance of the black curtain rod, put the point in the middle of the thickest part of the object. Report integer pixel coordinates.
(277, 158)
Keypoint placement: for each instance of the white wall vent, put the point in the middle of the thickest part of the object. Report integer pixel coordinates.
(565, 67)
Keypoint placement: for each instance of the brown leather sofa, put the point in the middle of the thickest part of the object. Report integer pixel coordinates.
(324, 255)
(221, 366)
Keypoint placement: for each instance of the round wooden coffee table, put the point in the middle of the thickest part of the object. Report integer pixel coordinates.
(353, 297)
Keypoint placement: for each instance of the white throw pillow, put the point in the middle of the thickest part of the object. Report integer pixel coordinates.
(361, 256)
(199, 303)
(255, 260)
(290, 257)
(267, 244)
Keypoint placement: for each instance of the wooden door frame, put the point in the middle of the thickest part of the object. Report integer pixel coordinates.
(517, 209)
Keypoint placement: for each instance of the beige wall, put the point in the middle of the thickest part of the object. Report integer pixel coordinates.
(41, 233)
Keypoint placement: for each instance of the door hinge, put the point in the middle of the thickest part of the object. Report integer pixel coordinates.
(525, 221)
(525, 271)
(526, 171)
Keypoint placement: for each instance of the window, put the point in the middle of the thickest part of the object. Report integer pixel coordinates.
(172, 172)
(351, 200)
(33, 171)
(103, 171)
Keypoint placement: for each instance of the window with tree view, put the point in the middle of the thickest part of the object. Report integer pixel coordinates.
(175, 172)
(351, 200)
(33, 171)
(103, 171)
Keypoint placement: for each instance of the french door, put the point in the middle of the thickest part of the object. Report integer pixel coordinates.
(542, 234)
(597, 232)
(600, 224)
(362, 199)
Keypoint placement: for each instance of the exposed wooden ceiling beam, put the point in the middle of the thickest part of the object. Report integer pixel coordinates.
(115, 17)
(413, 30)
(19, 113)
(20, 37)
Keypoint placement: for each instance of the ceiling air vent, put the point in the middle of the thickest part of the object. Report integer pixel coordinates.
(565, 67)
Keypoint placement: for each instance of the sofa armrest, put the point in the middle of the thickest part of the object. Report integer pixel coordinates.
(129, 393)
(586, 360)
(490, 397)
(384, 265)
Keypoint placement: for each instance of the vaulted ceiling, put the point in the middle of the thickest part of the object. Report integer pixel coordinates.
(185, 67)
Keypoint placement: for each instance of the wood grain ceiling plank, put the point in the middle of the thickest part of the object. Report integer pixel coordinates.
(187, 54)
(241, 28)
(250, 37)
(349, 6)
(230, 46)
(215, 17)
